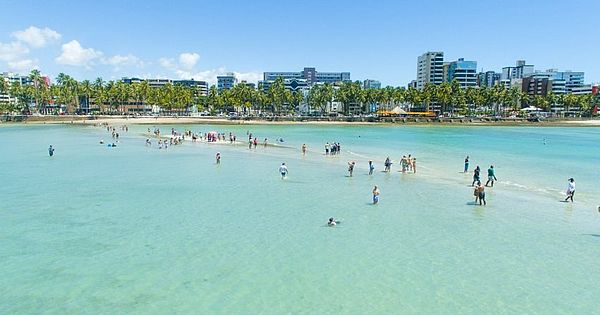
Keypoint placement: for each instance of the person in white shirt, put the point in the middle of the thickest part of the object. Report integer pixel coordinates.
(570, 190)
(283, 170)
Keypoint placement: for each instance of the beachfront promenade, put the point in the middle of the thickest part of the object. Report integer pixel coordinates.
(119, 119)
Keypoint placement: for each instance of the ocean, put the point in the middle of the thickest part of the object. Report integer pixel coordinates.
(137, 230)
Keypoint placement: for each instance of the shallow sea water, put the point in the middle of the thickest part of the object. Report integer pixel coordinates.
(137, 230)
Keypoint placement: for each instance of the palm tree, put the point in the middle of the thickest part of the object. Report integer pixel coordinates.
(428, 95)
(297, 99)
(399, 95)
(212, 99)
(99, 93)
(514, 97)
(443, 94)
(86, 89)
(413, 97)
(349, 94)
(277, 95)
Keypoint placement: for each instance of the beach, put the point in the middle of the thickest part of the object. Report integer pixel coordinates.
(137, 229)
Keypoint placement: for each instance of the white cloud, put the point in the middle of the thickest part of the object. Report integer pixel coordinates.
(24, 65)
(188, 60)
(119, 61)
(250, 77)
(182, 69)
(167, 63)
(37, 37)
(75, 55)
(12, 51)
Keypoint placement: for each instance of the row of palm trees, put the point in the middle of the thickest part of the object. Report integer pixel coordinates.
(120, 97)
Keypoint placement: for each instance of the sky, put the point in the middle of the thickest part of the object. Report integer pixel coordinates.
(378, 40)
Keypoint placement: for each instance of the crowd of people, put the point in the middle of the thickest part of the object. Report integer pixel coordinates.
(407, 162)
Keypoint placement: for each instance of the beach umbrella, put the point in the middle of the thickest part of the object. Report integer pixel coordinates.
(399, 111)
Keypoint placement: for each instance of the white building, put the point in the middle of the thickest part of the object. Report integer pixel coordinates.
(430, 69)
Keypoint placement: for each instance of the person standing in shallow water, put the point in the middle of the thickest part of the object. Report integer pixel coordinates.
(476, 176)
(283, 170)
(304, 149)
(375, 195)
(570, 189)
(466, 164)
(351, 167)
(387, 164)
(491, 176)
(414, 165)
(50, 151)
(481, 192)
(371, 167)
(218, 157)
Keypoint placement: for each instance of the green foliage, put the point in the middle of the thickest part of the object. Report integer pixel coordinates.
(120, 97)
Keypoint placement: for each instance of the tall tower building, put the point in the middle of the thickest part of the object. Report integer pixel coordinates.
(430, 69)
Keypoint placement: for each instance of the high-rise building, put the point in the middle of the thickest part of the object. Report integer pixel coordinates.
(202, 86)
(463, 71)
(10, 78)
(290, 84)
(226, 82)
(543, 83)
(371, 84)
(519, 71)
(573, 79)
(131, 80)
(157, 83)
(430, 69)
(488, 78)
(311, 75)
(556, 82)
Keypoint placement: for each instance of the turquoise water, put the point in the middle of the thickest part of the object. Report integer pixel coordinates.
(137, 230)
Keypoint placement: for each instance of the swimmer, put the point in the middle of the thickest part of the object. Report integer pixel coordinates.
(51, 151)
(101, 141)
(283, 170)
(333, 222)
(376, 195)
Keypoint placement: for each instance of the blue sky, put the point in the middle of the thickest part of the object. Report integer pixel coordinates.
(371, 39)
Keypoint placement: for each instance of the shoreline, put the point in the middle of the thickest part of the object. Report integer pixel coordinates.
(347, 121)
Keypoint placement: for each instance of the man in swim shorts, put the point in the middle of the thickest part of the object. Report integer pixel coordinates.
(481, 190)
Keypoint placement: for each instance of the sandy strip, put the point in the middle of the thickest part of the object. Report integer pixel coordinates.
(120, 120)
